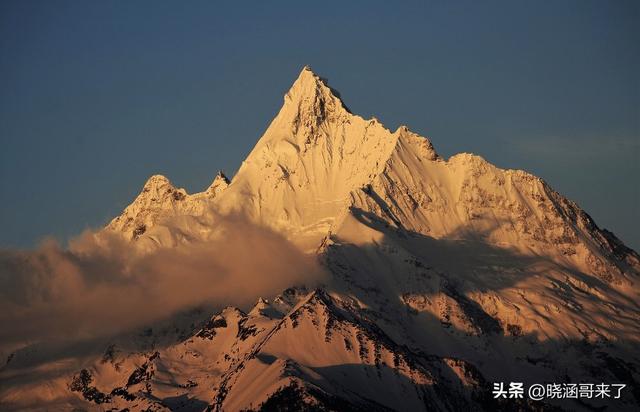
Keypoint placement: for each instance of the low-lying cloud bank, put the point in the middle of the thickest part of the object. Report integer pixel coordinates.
(102, 285)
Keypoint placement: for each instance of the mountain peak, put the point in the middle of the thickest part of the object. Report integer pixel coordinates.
(421, 145)
(220, 182)
(306, 76)
(307, 71)
(310, 94)
(221, 175)
(157, 181)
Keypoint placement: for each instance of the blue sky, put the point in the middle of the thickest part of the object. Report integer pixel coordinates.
(97, 96)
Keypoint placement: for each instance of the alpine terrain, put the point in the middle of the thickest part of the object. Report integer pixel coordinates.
(445, 276)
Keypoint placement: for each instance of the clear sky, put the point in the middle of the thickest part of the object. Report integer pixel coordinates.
(97, 96)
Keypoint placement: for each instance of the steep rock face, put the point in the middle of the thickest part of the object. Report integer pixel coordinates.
(299, 175)
(484, 229)
(467, 198)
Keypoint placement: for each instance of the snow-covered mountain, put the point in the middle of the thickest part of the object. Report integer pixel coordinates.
(446, 275)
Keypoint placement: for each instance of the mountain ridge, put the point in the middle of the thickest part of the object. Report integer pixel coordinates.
(317, 163)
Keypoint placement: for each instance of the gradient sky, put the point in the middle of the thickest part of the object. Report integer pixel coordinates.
(97, 96)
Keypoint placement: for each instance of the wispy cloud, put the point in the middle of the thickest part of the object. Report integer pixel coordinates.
(100, 285)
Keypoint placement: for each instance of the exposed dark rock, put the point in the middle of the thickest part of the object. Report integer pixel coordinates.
(81, 383)
(208, 331)
(139, 231)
